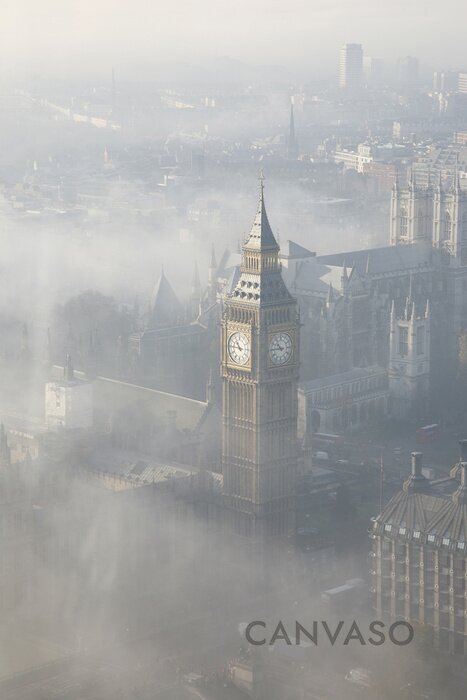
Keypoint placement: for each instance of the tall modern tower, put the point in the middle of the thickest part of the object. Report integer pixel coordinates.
(260, 361)
(351, 67)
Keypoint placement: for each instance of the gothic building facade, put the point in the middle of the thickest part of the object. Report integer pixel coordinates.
(433, 213)
(419, 555)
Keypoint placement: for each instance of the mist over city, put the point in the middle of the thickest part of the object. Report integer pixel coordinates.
(233, 350)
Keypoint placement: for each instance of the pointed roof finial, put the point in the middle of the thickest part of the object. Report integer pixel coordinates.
(261, 237)
(213, 263)
(261, 183)
(410, 297)
(195, 281)
(165, 307)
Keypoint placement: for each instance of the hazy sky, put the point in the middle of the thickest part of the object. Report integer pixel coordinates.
(89, 35)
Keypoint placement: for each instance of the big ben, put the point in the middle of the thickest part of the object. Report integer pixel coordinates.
(260, 362)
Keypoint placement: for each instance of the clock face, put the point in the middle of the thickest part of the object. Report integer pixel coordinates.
(280, 348)
(239, 348)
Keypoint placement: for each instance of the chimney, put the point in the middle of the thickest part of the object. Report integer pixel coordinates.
(463, 474)
(416, 483)
(417, 464)
(460, 495)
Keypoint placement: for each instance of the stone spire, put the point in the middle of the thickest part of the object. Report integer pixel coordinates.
(48, 351)
(68, 371)
(212, 265)
(195, 300)
(165, 307)
(260, 279)
(261, 238)
(92, 355)
(292, 150)
(24, 348)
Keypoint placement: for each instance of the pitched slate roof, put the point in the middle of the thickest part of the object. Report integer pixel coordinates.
(434, 513)
(165, 306)
(389, 259)
(294, 251)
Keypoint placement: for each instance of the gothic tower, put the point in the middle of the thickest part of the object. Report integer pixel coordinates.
(260, 361)
(436, 214)
(409, 361)
(411, 213)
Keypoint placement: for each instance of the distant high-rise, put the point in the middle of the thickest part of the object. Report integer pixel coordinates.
(408, 69)
(351, 67)
(445, 81)
(462, 83)
(373, 70)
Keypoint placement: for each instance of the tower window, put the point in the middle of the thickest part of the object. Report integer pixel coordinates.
(420, 348)
(447, 230)
(403, 341)
(464, 227)
(404, 223)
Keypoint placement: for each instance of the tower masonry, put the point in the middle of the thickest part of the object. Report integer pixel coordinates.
(409, 361)
(259, 368)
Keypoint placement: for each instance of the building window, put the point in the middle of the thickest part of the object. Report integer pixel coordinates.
(416, 534)
(420, 340)
(431, 538)
(403, 341)
(447, 230)
(446, 541)
(404, 223)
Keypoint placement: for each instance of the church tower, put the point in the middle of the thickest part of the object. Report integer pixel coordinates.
(411, 212)
(292, 145)
(436, 214)
(260, 362)
(409, 361)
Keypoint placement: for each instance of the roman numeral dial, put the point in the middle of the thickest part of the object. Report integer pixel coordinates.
(239, 348)
(280, 348)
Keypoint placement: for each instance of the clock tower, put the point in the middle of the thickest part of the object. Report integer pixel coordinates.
(260, 361)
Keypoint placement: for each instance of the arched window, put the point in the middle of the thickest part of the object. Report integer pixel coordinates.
(447, 228)
(404, 224)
